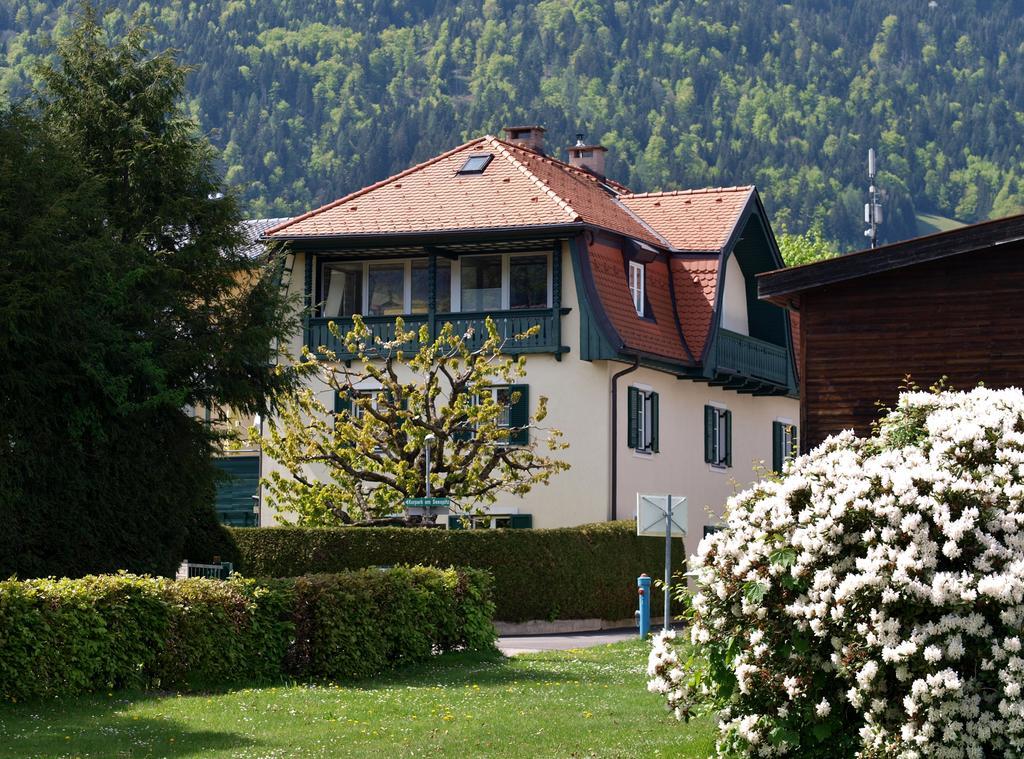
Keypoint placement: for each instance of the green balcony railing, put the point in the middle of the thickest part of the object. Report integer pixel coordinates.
(508, 323)
(749, 357)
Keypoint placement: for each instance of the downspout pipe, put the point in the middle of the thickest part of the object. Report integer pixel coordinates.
(615, 435)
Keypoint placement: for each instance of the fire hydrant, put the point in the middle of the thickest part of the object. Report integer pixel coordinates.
(643, 590)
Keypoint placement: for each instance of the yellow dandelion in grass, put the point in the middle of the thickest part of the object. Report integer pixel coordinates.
(448, 717)
(587, 715)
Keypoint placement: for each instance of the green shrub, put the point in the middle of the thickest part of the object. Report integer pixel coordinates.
(61, 637)
(567, 573)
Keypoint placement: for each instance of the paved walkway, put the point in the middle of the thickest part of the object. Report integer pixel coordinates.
(511, 645)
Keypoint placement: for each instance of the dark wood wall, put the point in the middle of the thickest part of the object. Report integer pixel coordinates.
(962, 317)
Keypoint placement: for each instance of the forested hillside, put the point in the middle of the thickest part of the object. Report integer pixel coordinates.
(311, 99)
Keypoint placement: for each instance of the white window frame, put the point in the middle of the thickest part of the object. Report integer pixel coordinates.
(789, 451)
(644, 437)
(720, 444)
(636, 286)
(506, 279)
(455, 285)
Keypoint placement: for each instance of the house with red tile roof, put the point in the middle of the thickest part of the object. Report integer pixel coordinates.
(661, 366)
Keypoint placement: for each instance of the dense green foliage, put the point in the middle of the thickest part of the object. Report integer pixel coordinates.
(311, 100)
(67, 636)
(120, 305)
(567, 573)
(805, 248)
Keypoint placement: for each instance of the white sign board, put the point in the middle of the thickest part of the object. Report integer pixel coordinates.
(652, 511)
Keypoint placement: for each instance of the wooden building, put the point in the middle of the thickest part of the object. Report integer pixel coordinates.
(946, 305)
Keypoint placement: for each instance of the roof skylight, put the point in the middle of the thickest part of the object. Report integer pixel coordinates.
(476, 163)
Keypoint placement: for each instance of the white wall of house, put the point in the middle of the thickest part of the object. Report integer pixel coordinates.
(734, 299)
(578, 403)
(579, 400)
(679, 467)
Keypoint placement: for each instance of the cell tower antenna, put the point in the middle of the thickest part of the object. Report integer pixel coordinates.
(872, 209)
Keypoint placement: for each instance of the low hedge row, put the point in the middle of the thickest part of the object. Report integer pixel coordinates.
(568, 573)
(59, 637)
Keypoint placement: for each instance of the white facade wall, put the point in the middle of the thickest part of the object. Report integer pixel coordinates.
(579, 402)
(734, 299)
(679, 467)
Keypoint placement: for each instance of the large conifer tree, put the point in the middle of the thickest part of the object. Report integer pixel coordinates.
(127, 294)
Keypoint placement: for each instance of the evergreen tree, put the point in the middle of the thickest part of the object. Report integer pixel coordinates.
(125, 296)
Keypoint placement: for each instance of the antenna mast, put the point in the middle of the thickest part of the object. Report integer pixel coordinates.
(872, 209)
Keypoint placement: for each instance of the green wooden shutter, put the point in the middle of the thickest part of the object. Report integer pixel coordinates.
(778, 443)
(632, 422)
(654, 422)
(728, 438)
(519, 415)
(454, 523)
(521, 521)
(709, 434)
(796, 442)
(342, 402)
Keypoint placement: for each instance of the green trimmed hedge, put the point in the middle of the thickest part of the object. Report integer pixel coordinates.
(568, 573)
(60, 637)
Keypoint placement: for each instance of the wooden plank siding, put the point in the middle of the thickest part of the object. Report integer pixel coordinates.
(960, 317)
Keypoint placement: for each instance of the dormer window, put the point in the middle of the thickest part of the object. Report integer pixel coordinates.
(636, 286)
(476, 163)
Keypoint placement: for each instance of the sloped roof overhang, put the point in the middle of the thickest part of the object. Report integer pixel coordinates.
(783, 286)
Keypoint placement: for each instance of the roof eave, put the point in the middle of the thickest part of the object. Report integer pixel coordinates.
(778, 286)
(428, 236)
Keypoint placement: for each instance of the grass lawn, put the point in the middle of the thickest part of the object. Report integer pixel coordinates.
(582, 703)
(929, 223)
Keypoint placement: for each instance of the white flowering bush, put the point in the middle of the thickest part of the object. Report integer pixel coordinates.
(870, 602)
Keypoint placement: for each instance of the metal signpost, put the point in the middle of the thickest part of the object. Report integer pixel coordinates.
(431, 506)
(662, 515)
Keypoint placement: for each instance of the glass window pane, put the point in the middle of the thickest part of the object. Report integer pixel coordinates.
(420, 294)
(344, 289)
(444, 285)
(420, 287)
(503, 397)
(528, 281)
(386, 289)
(481, 283)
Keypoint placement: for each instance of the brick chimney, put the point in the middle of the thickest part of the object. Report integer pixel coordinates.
(588, 157)
(530, 137)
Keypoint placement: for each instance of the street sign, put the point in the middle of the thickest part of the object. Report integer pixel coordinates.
(429, 507)
(652, 512)
(662, 516)
(433, 502)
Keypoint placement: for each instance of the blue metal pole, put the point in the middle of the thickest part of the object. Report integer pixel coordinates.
(643, 584)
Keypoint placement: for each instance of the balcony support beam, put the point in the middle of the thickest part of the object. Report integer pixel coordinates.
(556, 296)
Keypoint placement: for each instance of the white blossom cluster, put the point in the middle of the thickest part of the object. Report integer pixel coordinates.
(871, 602)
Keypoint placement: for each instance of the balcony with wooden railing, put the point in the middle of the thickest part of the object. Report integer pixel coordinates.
(509, 324)
(747, 358)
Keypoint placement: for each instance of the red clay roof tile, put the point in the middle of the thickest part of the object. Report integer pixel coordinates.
(658, 336)
(692, 220)
(520, 188)
(696, 283)
(523, 188)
